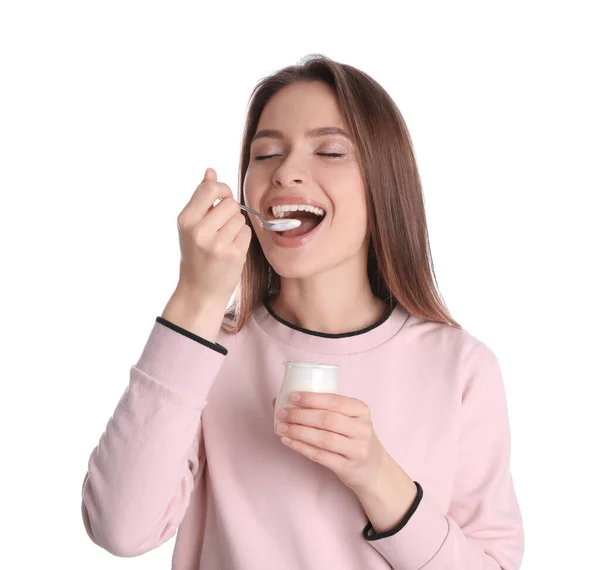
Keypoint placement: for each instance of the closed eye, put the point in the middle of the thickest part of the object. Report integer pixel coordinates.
(265, 156)
(332, 154)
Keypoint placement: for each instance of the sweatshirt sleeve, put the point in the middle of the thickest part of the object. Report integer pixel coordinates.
(141, 474)
(482, 529)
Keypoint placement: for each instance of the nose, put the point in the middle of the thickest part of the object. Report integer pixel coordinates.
(289, 173)
(279, 184)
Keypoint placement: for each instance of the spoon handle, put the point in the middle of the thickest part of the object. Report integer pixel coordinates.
(253, 212)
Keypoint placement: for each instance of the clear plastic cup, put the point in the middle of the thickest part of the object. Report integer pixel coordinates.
(305, 377)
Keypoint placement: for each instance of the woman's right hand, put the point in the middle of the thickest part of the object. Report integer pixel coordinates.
(214, 243)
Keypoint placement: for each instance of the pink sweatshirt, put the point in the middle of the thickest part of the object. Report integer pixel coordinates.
(191, 448)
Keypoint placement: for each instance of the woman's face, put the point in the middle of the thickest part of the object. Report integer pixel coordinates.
(290, 167)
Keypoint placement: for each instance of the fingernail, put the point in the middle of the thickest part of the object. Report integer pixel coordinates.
(295, 397)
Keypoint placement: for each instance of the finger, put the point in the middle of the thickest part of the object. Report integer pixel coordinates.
(232, 228)
(321, 449)
(334, 402)
(219, 216)
(243, 239)
(210, 174)
(324, 419)
(321, 438)
(207, 193)
(332, 461)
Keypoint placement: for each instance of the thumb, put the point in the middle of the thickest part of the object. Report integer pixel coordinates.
(210, 174)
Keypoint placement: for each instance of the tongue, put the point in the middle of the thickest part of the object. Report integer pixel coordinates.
(309, 222)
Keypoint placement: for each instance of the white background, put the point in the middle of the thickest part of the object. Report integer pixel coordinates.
(111, 112)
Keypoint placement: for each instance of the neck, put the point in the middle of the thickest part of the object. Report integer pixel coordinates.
(333, 302)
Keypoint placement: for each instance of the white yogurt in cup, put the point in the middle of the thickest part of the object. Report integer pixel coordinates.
(305, 377)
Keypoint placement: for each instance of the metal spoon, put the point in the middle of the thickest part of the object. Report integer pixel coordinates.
(274, 225)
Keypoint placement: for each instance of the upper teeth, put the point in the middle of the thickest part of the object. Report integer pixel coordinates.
(279, 211)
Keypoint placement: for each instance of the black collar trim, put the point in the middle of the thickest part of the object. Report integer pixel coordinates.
(331, 335)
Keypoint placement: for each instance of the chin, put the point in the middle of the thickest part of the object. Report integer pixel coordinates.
(298, 268)
(307, 266)
(314, 258)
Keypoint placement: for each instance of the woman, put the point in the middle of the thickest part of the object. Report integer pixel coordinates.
(409, 466)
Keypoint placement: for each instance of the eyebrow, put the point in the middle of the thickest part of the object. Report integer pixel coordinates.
(313, 133)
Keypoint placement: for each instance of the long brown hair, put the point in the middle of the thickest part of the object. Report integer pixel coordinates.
(399, 266)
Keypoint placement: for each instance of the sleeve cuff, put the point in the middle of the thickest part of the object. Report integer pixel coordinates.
(214, 345)
(421, 538)
(400, 525)
(180, 362)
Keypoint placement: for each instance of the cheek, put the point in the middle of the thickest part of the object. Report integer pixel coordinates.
(252, 188)
(349, 225)
(350, 208)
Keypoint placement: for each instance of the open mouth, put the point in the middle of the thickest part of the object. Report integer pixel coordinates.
(310, 216)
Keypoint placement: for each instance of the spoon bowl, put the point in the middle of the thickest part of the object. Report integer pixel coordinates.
(280, 225)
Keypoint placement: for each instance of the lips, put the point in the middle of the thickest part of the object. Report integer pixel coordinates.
(298, 236)
(283, 239)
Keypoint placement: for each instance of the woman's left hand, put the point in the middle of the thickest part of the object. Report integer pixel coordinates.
(336, 432)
